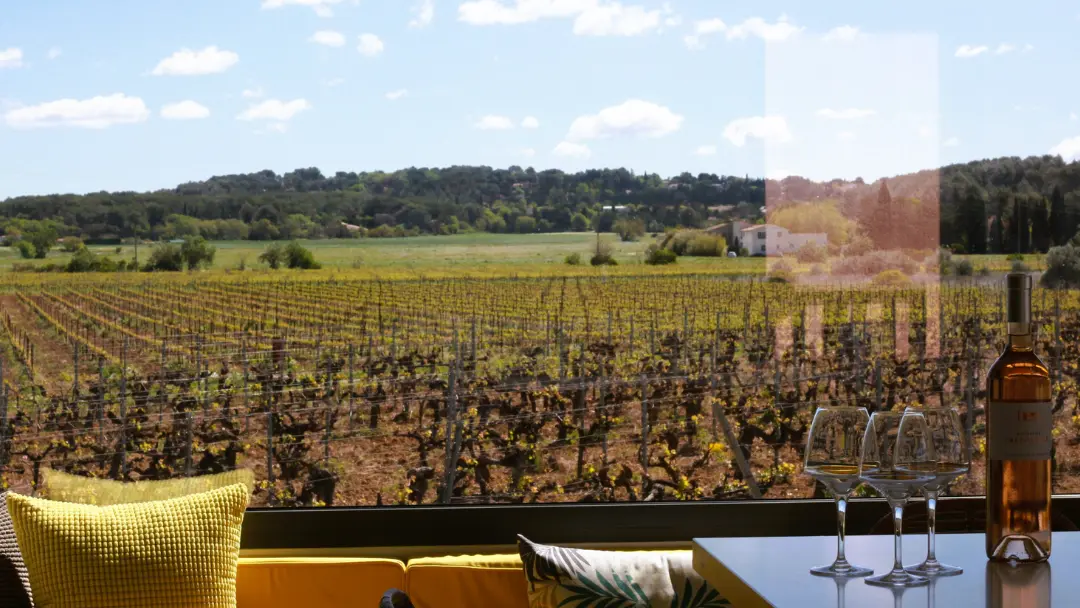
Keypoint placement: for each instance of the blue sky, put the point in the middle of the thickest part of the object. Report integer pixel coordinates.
(142, 94)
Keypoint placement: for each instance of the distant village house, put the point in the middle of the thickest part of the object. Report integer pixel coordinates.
(770, 239)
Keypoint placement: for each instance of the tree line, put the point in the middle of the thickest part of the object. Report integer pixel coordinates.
(997, 205)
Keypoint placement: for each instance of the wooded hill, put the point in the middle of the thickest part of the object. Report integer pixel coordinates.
(980, 203)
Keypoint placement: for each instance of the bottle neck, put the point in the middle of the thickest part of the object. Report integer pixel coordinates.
(1020, 337)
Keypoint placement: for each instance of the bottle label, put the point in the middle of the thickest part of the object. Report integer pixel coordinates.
(1020, 430)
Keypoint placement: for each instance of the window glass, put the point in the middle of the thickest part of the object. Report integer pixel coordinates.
(419, 252)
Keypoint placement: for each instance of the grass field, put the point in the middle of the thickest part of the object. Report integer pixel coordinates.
(479, 254)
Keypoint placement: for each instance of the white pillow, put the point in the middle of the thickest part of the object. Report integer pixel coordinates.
(561, 577)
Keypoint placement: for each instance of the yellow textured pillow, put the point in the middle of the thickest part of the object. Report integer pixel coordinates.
(58, 485)
(177, 553)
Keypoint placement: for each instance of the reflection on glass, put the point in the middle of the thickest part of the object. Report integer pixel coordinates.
(953, 460)
(897, 454)
(1024, 585)
(841, 583)
(832, 457)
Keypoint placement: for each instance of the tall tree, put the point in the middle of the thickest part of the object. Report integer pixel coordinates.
(1059, 221)
(881, 220)
(1041, 234)
(973, 218)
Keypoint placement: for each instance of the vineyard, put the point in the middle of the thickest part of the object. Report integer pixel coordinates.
(340, 390)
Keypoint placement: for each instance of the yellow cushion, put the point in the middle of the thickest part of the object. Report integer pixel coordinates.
(178, 553)
(58, 485)
(316, 582)
(467, 581)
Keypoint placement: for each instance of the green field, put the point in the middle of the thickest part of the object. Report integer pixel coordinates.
(479, 253)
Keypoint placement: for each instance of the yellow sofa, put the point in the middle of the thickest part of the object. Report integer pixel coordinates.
(460, 581)
(467, 581)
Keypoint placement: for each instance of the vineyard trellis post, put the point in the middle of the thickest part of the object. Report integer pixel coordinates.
(732, 440)
(123, 406)
(352, 388)
(877, 385)
(270, 456)
(644, 456)
(453, 429)
(969, 418)
(1057, 337)
(99, 415)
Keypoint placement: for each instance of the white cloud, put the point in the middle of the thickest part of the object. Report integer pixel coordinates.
(493, 122)
(321, 7)
(513, 12)
(705, 151)
(187, 62)
(370, 45)
(54, 52)
(275, 109)
(952, 142)
(277, 127)
(184, 110)
(966, 51)
(1068, 149)
(424, 14)
(11, 58)
(530, 122)
(253, 93)
(398, 94)
(528, 152)
(845, 114)
(1004, 48)
(572, 150)
(94, 113)
(633, 117)
(328, 38)
(614, 19)
(846, 136)
(701, 30)
(772, 129)
(1029, 47)
(843, 33)
(333, 82)
(1072, 116)
(769, 32)
(926, 132)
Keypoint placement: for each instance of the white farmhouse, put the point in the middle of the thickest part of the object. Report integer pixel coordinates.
(769, 239)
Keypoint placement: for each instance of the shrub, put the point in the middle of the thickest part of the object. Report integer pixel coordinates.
(891, 278)
(694, 243)
(197, 253)
(983, 271)
(165, 257)
(579, 223)
(299, 257)
(273, 256)
(817, 270)
(383, 231)
(72, 244)
(1062, 267)
(525, 224)
(964, 268)
(1015, 257)
(812, 253)
(27, 251)
(860, 245)
(603, 256)
(656, 256)
(629, 229)
(574, 259)
(781, 271)
(1019, 266)
(874, 263)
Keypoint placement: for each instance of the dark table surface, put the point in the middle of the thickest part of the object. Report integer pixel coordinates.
(756, 572)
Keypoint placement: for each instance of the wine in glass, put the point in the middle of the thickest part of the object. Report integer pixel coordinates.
(832, 457)
(953, 460)
(896, 453)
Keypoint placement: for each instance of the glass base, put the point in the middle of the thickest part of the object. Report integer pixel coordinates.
(934, 568)
(841, 569)
(898, 578)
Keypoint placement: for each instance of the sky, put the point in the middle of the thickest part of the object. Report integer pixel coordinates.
(147, 94)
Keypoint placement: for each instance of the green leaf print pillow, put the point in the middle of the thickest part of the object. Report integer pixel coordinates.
(561, 577)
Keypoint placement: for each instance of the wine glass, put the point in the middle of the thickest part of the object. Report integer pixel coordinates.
(832, 457)
(896, 455)
(953, 460)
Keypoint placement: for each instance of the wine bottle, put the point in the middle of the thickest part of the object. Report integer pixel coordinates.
(1018, 440)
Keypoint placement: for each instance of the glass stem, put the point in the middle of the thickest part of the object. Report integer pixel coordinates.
(898, 530)
(931, 524)
(841, 526)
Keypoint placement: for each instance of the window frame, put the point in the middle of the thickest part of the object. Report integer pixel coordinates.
(575, 523)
